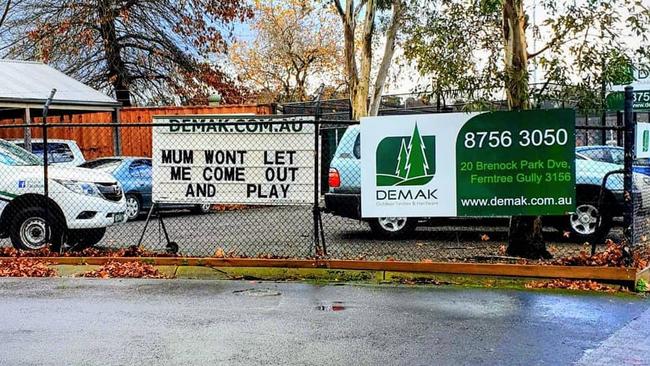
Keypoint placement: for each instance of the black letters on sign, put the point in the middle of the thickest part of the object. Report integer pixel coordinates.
(200, 190)
(180, 173)
(177, 156)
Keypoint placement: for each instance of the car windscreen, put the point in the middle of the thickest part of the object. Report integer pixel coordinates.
(105, 165)
(618, 156)
(13, 155)
(58, 152)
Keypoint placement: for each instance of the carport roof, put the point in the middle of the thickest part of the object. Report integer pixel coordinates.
(26, 84)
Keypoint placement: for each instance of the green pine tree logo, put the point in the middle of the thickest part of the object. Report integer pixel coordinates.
(406, 161)
(401, 170)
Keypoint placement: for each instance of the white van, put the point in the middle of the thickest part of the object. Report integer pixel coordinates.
(81, 203)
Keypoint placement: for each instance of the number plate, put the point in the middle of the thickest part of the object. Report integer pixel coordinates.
(118, 217)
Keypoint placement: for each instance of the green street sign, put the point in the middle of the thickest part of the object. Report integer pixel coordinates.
(616, 100)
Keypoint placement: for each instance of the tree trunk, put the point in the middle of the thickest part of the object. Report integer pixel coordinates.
(389, 50)
(117, 73)
(349, 49)
(525, 238)
(516, 54)
(358, 79)
(525, 234)
(362, 89)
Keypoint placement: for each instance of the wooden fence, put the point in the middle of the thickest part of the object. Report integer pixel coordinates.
(135, 141)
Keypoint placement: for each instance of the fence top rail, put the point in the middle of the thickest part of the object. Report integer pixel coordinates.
(277, 119)
(321, 122)
(151, 124)
(597, 128)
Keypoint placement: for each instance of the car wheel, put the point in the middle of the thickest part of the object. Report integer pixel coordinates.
(132, 207)
(203, 208)
(588, 223)
(85, 238)
(28, 230)
(393, 227)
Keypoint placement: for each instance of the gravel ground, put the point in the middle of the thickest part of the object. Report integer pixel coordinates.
(287, 232)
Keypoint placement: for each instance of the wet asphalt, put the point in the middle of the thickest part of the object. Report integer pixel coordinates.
(190, 322)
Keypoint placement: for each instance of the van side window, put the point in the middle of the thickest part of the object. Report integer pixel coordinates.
(356, 150)
(57, 152)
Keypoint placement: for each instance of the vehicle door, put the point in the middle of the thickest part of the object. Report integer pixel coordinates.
(349, 163)
(140, 173)
(5, 181)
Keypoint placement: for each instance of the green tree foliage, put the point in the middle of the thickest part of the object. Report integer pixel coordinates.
(575, 46)
(460, 65)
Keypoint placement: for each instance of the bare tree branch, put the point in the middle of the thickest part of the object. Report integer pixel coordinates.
(5, 12)
(339, 8)
(131, 47)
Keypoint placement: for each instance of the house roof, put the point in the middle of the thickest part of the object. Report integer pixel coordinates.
(26, 83)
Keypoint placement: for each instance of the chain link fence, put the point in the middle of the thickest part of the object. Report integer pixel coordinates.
(640, 216)
(110, 203)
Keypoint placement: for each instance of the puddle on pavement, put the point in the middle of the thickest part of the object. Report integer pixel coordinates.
(335, 306)
(257, 292)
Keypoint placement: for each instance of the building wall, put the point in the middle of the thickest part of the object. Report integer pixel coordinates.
(136, 141)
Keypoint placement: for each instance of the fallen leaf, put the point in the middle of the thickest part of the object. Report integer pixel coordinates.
(135, 269)
(25, 267)
(580, 285)
(502, 249)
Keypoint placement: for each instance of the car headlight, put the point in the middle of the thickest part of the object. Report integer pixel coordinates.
(85, 188)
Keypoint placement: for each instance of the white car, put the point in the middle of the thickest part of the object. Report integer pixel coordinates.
(60, 152)
(81, 203)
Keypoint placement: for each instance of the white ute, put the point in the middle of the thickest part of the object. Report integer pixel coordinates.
(82, 202)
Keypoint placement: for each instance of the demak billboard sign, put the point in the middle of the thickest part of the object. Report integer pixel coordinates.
(468, 164)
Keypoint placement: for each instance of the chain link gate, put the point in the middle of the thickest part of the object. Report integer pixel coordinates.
(329, 226)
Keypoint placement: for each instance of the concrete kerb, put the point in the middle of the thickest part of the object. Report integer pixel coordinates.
(325, 276)
(323, 270)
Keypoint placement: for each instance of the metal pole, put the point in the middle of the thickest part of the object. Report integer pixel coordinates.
(629, 123)
(316, 204)
(619, 132)
(27, 131)
(46, 183)
(603, 105)
(117, 138)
